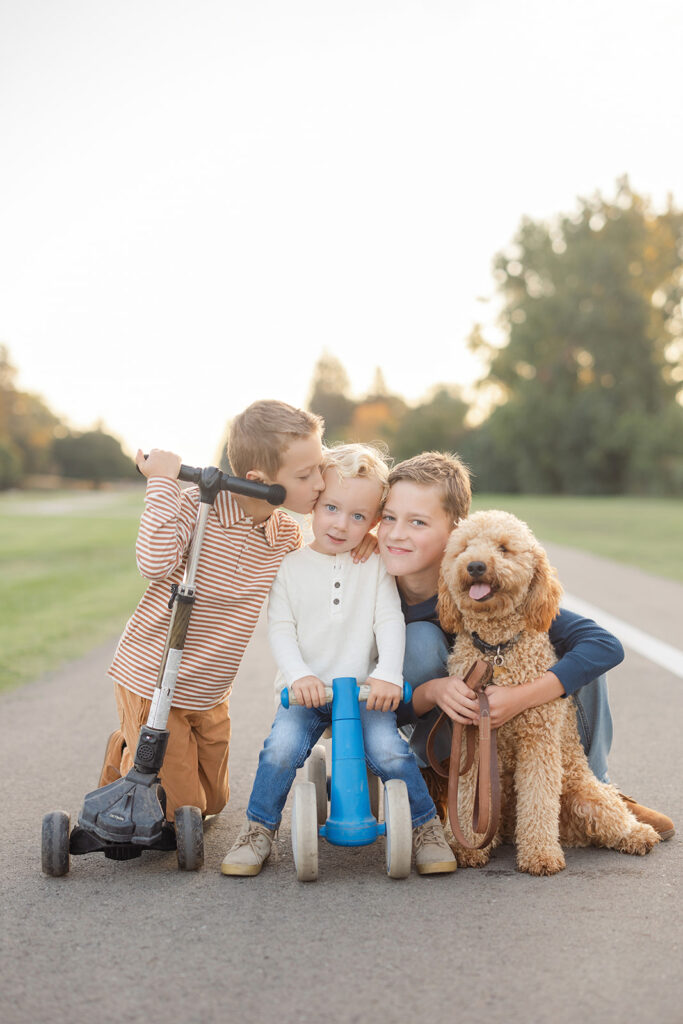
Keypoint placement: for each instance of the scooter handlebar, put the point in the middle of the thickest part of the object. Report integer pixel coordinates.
(288, 698)
(274, 494)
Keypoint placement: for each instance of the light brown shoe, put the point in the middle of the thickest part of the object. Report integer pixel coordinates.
(438, 790)
(659, 822)
(113, 752)
(250, 850)
(433, 855)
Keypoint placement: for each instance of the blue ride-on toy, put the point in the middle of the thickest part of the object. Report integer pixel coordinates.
(350, 821)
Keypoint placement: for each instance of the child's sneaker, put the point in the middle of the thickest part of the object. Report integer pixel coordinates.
(250, 850)
(433, 855)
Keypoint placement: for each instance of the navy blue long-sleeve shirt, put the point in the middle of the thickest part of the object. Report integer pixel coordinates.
(584, 649)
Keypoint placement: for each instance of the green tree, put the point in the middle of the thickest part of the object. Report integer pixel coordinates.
(437, 424)
(591, 374)
(92, 455)
(27, 428)
(329, 396)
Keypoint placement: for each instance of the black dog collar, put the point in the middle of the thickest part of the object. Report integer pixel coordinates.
(495, 649)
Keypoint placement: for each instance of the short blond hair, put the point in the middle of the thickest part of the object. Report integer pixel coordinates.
(261, 435)
(369, 462)
(443, 470)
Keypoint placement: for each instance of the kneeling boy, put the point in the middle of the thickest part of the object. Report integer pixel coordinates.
(244, 544)
(428, 495)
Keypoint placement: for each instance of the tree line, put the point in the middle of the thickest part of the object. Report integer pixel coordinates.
(34, 441)
(582, 393)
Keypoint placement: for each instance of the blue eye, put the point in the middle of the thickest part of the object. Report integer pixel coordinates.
(359, 517)
(331, 508)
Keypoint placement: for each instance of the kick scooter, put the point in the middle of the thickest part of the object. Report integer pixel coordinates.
(129, 815)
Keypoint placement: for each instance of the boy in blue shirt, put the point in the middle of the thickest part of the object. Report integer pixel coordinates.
(428, 495)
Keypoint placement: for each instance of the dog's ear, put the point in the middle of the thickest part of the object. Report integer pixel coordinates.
(542, 602)
(449, 616)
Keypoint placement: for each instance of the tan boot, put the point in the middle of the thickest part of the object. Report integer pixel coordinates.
(433, 855)
(250, 850)
(113, 752)
(659, 822)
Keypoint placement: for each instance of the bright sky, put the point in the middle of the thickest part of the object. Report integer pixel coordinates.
(197, 198)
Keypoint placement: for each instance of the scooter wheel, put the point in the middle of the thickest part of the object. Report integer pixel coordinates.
(305, 832)
(399, 849)
(189, 833)
(55, 844)
(317, 774)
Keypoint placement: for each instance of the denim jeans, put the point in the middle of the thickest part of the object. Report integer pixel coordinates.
(292, 737)
(426, 657)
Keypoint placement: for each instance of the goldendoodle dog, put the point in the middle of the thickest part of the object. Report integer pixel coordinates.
(497, 587)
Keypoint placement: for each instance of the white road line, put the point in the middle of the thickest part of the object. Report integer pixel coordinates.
(655, 650)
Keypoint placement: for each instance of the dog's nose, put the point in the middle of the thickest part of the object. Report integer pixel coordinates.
(476, 569)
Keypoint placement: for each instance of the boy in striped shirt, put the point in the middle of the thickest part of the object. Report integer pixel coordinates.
(244, 544)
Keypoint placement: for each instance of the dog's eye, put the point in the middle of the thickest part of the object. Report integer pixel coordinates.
(501, 547)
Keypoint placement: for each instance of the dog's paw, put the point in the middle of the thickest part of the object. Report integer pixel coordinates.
(640, 840)
(471, 858)
(541, 862)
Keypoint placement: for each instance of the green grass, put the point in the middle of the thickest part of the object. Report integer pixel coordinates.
(69, 579)
(644, 532)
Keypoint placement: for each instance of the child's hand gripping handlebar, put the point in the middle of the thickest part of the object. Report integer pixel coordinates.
(288, 698)
(212, 480)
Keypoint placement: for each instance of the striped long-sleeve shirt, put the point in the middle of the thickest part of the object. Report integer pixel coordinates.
(238, 562)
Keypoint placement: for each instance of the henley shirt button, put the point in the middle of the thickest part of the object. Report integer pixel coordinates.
(336, 601)
(337, 584)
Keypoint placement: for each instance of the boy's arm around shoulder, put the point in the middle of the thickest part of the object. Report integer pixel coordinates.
(584, 648)
(166, 527)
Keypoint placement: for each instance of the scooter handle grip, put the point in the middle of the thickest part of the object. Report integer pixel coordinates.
(274, 494)
(289, 698)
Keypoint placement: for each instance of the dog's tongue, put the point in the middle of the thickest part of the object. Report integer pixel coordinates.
(479, 590)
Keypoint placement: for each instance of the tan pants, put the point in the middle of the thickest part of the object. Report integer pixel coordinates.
(195, 768)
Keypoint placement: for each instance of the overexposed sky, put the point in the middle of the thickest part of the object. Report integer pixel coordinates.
(197, 198)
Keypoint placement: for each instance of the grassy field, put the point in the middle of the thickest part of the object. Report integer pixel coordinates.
(70, 582)
(69, 579)
(644, 532)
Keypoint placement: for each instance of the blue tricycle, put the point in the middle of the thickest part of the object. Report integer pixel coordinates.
(350, 821)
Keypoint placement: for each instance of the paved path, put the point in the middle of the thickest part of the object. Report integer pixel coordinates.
(141, 941)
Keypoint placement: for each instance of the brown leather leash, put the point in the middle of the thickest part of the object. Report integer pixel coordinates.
(487, 801)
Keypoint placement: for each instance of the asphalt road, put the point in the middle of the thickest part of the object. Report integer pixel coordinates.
(142, 941)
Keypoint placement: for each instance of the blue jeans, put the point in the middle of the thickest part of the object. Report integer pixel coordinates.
(426, 657)
(292, 737)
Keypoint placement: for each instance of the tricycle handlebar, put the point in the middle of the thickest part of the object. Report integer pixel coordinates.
(288, 698)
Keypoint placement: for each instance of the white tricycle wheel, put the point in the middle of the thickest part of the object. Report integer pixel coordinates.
(305, 832)
(399, 828)
(317, 774)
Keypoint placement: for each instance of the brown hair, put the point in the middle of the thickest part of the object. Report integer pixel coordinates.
(442, 470)
(261, 434)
